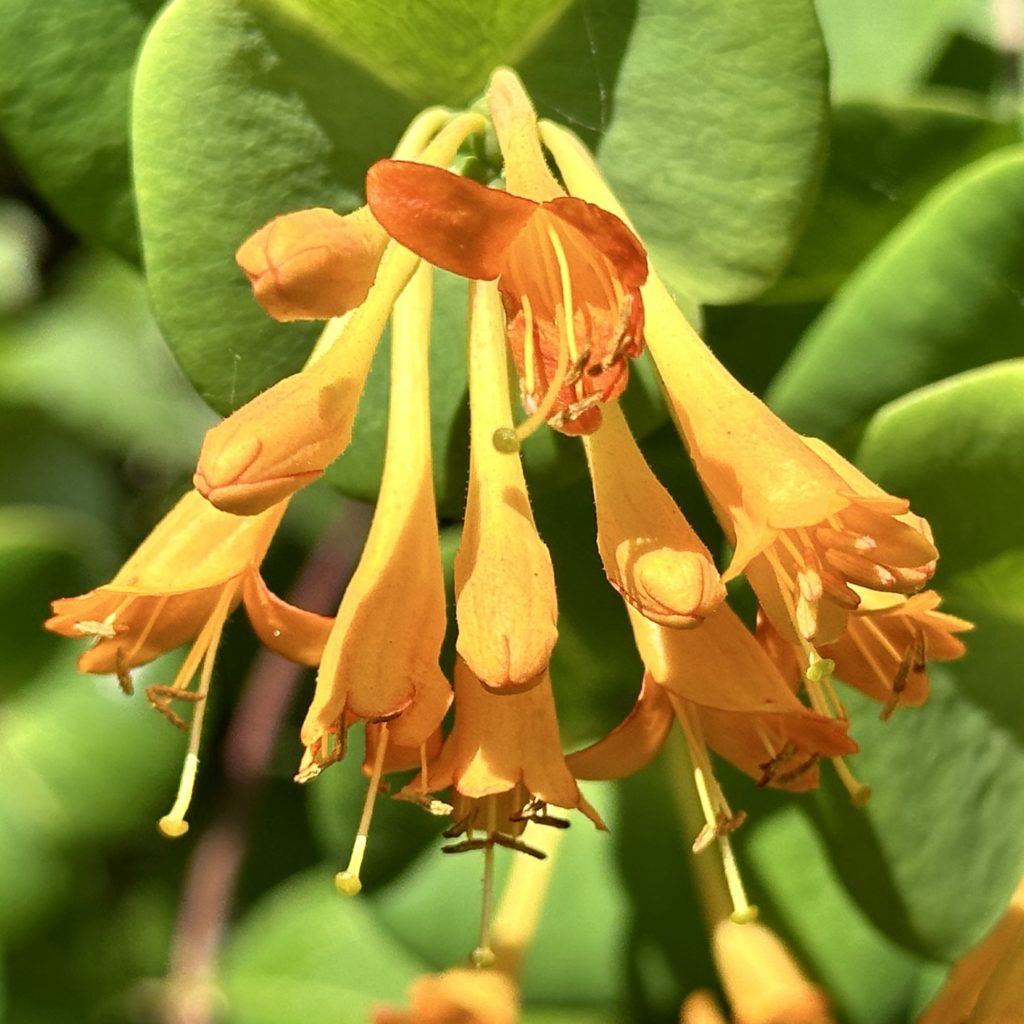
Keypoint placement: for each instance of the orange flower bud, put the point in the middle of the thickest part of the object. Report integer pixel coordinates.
(313, 264)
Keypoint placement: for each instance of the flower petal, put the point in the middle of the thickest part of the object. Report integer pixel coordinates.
(450, 221)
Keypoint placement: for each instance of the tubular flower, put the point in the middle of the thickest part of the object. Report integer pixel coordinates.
(726, 693)
(504, 584)
(650, 552)
(504, 761)
(885, 650)
(569, 273)
(459, 996)
(287, 436)
(180, 585)
(803, 523)
(313, 264)
(380, 660)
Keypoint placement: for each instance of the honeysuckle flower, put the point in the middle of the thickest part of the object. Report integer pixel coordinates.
(804, 525)
(761, 978)
(504, 584)
(180, 585)
(502, 745)
(380, 662)
(287, 436)
(550, 254)
(313, 264)
(463, 995)
(886, 647)
(725, 692)
(651, 554)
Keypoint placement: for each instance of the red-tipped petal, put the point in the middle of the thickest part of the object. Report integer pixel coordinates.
(607, 234)
(450, 221)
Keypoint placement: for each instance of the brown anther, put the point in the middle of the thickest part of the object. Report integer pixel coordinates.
(124, 676)
(621, 340)
(770, 769)
(576, 370)
(575, 411)
(459, 828)
(465, 845)
(160, 698)
(535, 811)
(722, 827)
(511, 843)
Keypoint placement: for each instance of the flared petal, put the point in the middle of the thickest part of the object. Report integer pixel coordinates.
(650, 553)
(632, 744)
(503, 741)
(460, 996)
(295, 633)
(450, 221)
(504, 582)
(169, 587)
(313, 264)
(381, 658)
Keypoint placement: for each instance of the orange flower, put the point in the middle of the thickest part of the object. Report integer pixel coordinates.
(885, 650)
(549, 253)
(650, 552)
(181, 585)
(804, 524)
(380, 660)
(502, 746)
(504, 584)
(459, 996)
(313, 264)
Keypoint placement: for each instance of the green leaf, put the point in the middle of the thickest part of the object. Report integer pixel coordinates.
(65, 83)
(82, 764)
(932, 859)
(941, 294)
(92, 359)
(716, 138)
(308, 953)
(801, 898)
(877, 48)
(883, 159)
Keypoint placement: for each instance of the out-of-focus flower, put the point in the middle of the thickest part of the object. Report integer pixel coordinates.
(464, 995)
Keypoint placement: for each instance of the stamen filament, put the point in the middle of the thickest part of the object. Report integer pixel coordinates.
(483, 955)
(566, 347)
(347, 881)
(173, 823)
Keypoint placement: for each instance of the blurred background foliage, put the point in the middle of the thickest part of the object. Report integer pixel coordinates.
(839, 189)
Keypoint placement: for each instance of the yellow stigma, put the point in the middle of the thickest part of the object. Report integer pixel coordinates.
(173, 823)
(347, 882)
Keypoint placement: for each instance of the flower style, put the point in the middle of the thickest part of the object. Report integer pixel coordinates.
(181, 584)
(569, 272)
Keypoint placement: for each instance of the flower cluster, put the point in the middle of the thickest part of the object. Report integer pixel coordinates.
(558, 279)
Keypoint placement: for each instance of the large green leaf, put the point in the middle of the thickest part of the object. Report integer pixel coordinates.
(940, 295)
(932, 859)
(879, 48)
(716, 137)
(883, 159)
(65, 83)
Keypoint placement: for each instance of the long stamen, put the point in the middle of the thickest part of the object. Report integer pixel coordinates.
(718, 816)
(158, 607)
(566, 347)
(173, 823)
(529, 370)
(483, 955)
(347, 881)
